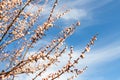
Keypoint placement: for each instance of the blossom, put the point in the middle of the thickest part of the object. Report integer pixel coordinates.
(82, 55)
(78, 23)
(87, 49)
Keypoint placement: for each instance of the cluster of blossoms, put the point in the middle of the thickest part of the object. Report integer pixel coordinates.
(20, 31)
(70, 64)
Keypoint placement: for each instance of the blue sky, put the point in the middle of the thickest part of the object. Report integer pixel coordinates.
(101, 17)
(96, 16)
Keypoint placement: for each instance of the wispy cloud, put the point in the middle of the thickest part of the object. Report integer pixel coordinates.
(75, 14)
(83, 9)
(100, 57)
(80, 9)
(103, 55)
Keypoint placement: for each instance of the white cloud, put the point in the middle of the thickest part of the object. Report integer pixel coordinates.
(75, 14)
(102, 55)
(83, 9)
